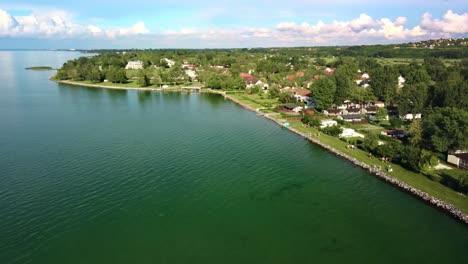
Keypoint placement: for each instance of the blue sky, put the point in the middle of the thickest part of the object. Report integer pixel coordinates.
(222, 23)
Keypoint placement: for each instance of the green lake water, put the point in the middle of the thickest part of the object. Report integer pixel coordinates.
(101, 176)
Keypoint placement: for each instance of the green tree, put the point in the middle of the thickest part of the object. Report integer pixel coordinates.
(416, 132)
(324, 90)
(446, 129)
(384, 83)
(381, 113)
(143, 79)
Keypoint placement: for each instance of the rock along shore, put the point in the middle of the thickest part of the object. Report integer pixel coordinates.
(442, 205)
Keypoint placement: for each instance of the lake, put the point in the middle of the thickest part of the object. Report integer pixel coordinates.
(105, 176)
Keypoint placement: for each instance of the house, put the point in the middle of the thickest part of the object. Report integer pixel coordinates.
(349, 132)
(328, 123)
(352, 111)
(134, 65)
(169, 62)
(189, 66)
(378, 104)
(411, 116)
(369, 110)
(251, 80)
(304, 96)
(363, 80)
(459, 159)
(329, 71)
(351, 118)
(191, 73)
(309, 112)
(332, 112)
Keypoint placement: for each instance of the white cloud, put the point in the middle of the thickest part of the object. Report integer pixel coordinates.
(451, 23)
(363, 22)
(7, 23)
(56, 24)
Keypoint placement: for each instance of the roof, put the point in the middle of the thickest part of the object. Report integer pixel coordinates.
(462, 156)
(353, 110)
(351, 116)
(378, 102)
(371, 109)
(303, 92)
(329, 71)
(290, 106)
(333, 111)
(249, 79)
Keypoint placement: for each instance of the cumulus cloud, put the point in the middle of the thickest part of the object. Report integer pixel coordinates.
(451, 23)
(55, 24)
(361, 30)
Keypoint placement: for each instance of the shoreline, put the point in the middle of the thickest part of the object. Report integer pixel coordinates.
(437, 203)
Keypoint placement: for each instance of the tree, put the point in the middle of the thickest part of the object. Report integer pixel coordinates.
(273, 92)
(396, 122)
(381, 113)
(416, 132)
(94, 75)
(324, 91)
(413, 98)
(143, 79)
(286, 97)
(311, 121)
(384, 82)
(332, 130)
(446, 129)
(344, 79)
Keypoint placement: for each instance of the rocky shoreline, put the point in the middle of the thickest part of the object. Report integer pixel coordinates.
(444, 206)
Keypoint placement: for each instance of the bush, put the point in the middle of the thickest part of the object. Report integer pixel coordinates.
(311, 121)
(332, 130)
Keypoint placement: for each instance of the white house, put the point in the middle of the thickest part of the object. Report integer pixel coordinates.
(304, 96)
(349, 132)
(328, 123)
(411, 116)
(134, 65)
(169, 62)
(458, 158)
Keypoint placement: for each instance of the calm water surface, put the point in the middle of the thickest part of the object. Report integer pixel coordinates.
(99, 176)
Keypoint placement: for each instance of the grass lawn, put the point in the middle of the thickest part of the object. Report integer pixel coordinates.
(416, 180)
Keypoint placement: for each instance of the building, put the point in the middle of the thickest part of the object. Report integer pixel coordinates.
(378, 104)
(328, 123)
(329, 71)
(349, 132)
(411, 116)
(251, 80)
(458, 159)
(134, 65)
(351, 118)
(332, 112)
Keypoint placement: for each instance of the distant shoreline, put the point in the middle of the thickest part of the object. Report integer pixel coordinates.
(442, 205)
